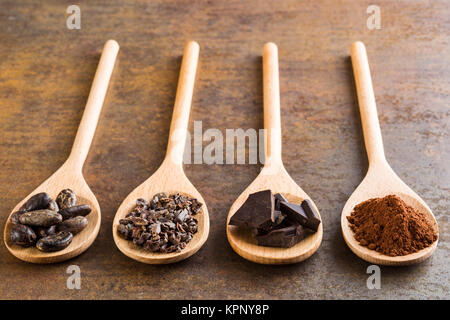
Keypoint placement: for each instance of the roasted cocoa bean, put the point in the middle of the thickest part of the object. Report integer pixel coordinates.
(66, 199)
(55, 242)
(22, 235)
(14, 219)
(80, 210)
(46, 231)
(51, 224)
(40, 218)
(37, 202)
(53, 206)
(73, 225)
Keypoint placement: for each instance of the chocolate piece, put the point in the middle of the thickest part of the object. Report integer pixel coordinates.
(278, 198)
(275, 222)
(311, 213)
(284, 237)
(256, 212)
(296, 213)
(279, 218)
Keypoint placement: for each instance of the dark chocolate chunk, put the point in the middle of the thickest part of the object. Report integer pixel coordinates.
(275, 222)
(266, 227)
(278, 217)
(278, 198)
(311, 213)
(296, 213)
(256, 212)
(284, 237)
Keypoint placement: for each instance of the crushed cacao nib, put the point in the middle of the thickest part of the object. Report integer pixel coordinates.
(164, 224)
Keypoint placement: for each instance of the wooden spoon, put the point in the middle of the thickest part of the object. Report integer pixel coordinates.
(70, 175)
(170, 177)
(274, 177)
(380, 179)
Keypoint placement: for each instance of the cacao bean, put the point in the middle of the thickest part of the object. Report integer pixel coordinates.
(14, 219)
(40, 218)
(66, 199)
(53, 206)
(37, 202)
(55, 242)
(73, 225)
(81, 210)
(22, 235)
(46, 231)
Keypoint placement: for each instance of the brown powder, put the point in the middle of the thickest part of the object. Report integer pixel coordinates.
(391, 227)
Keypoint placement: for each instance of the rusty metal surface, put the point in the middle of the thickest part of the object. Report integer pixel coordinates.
(45, 75)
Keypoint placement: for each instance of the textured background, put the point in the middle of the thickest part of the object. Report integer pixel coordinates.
(45, 75)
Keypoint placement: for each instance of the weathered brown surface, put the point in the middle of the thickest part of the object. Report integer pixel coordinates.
(46, 71)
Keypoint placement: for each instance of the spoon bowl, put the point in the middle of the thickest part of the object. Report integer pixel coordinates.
(162, 181)
(274, 177)
(374, 187)
(58, 181)
(243, 243)
(380, 179)
(70, 175)
(170, 177)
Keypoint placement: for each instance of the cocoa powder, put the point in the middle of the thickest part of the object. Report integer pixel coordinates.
(389, 226)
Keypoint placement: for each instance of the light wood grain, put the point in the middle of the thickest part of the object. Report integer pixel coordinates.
(170, 177)
(380, 179)
(69, 175)
(274, 177)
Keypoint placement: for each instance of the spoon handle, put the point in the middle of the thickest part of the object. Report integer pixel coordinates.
(271, 88)
(94, 104)
(182, 107)
(367, 105)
